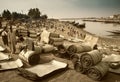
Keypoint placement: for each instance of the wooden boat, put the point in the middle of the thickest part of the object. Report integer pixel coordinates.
(114, 32)
(81, 25)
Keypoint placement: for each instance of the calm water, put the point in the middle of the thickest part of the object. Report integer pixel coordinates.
(101, 29)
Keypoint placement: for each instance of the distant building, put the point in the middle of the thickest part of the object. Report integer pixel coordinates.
(111, 17)
(117, 16)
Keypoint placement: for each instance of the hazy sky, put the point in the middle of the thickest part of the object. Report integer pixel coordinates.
(65, 8)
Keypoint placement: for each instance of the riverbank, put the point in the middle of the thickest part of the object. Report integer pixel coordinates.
(104, 20)
(68, 31)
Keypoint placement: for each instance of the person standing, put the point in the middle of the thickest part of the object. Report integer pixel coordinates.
(38, 39)
(4, 35)
(0, 24)
(28, 33)
(12, 40)
(29, 42)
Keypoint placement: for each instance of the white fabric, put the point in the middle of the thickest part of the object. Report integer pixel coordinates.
(11, 64)
(46, 68)
(45, 36)
(61, 36)
(2, 48)
(76, 40)
(90, 40)
(4, 33)
(25, 55)
(3, 56)
(111, 58)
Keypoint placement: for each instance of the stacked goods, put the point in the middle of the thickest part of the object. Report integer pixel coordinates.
(29, 56)
(98, 71)
(77, 63)
(90, 63)
(79, 68)
(33, 35)
(76, 57)
(87, 59)
(48, 48)
(62, 50)
(23, 32)
(78, 49)
(52, 40)
(56, 41)
(91, 58)
(54, 35)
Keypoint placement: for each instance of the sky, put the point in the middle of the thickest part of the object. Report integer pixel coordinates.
(65, 8)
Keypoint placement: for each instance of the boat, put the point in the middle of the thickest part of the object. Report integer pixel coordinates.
(114, 32)
(81, 25)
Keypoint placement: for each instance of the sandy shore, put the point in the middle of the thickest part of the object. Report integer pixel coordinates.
(69, 75)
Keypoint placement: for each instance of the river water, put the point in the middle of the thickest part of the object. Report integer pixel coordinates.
(100, 28)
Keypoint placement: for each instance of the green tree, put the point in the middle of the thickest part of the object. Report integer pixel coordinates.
(6, 14)
(34, 13)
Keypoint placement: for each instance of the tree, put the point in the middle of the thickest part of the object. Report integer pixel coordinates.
(34, 13)
(15, 15)
(44, 16)
(6, 14)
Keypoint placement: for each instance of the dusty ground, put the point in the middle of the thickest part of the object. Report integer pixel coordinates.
(70, 75)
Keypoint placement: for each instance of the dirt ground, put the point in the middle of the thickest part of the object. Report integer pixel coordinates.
(69, 75)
